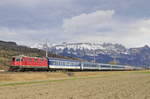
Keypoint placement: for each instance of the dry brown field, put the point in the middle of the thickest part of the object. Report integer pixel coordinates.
(80, 85)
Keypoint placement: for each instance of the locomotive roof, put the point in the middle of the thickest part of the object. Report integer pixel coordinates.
(27, 56)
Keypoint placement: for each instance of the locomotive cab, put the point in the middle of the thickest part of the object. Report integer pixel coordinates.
(16, 61)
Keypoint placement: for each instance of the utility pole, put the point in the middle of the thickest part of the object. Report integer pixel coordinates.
(94, 55)
(114, 59)
(46, 54)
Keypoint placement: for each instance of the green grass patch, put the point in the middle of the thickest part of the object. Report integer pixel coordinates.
(48, 81)
(145, 72)
(139, 72)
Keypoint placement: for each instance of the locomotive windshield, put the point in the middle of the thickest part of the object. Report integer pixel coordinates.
(16, 59)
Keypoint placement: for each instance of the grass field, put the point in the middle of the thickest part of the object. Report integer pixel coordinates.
(79, 85)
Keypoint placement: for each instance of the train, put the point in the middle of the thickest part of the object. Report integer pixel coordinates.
(22, 63)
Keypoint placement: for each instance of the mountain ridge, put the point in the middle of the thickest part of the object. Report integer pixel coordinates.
(104, 52)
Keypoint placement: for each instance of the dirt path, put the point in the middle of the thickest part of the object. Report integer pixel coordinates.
(116, 86)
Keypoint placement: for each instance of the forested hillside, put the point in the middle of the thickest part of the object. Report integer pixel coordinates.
(9, 49)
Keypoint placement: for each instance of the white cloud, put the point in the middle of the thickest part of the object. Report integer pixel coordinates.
(88, 22)
(104, 26)
(139, 32)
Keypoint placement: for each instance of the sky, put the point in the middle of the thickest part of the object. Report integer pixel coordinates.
(28, 22)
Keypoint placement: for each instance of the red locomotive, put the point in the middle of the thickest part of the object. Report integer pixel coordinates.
(24, 62)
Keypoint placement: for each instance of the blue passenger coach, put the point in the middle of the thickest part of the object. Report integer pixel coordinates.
(55, 63)
(90, 66)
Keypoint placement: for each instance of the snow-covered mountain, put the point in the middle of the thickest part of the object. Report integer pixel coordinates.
(88, 48)
(102, 52)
